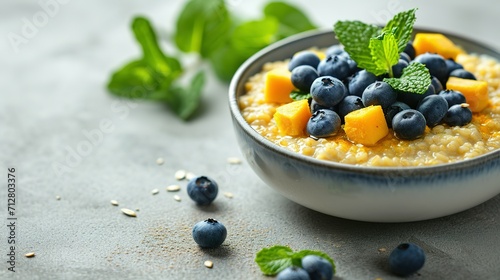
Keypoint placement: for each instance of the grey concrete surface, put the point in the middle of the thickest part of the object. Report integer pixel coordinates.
(67, 137)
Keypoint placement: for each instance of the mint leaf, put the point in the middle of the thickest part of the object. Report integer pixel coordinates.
(401, 25)
(356, 36)
(202, 26)
(299, 95)
(384, 51)
(185, 101)
(274, 259)
(251, 36)
(415, 79)
(291, 19)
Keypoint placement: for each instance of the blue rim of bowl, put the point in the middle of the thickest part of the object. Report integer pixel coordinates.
(238, 84)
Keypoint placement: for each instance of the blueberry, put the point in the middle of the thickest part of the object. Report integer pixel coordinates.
(303, 76)
(328, 91)
(359, 81)
(202, 190)
(335, 50)
(209, 233)
(304, 58)
(410, 50)
(462, 73)
(293, 273)
(397, 69)
(348, 104)
(412, 99)
(317, 267)
(323, 123)
(379, 93)
(406, 259)
(393, 109)
(434, 108)
(453, 97)
(436, 65)
(452, 65)
(438, 87)
(404, 56)
(315, 106)
(408, 124)
(336, 66)
(458, 115)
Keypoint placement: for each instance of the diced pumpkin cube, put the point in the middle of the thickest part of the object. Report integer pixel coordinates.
(292, 117)
(436, 43)
(475, 92)
(278, 85)
(366, 126)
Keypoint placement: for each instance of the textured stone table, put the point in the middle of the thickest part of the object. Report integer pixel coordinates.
(68, 138)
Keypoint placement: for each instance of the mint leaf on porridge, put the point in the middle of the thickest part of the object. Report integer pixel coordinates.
(274, 259)
(401, 25)
(384, 50)
(299, 95)
(416, 79)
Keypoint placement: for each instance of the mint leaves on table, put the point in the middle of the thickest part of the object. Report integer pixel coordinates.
(274, 259)
(377, 49)
(217, 36)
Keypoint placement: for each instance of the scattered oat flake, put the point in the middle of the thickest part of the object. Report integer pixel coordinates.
(58, 197)
(233, 160)
(209, 264)
(180, 174)
(129, 212)
(114, 202)
(30, 255)
(177, 198)
(173, 188)
(382, 250)
(190, 175)
(228, 195)
(155, 191)
(160, 161)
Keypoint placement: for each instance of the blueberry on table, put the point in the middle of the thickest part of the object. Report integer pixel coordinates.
(303, 76)
(304, 58)
(392, 110)
(317, 267)
(458, 115)
(323, 123)
(336, 66)
(328, 91)
(462, 73)
(410, 50)
(406, 259)
(453, 97)
(408, 124)
(348, 104)
(359, 81)
(379, 93)
(436, 65)
(209, 233)
(293, 273)
(434, 108)
(202, 190)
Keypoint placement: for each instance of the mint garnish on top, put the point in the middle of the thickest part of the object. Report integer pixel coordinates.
(377, 49)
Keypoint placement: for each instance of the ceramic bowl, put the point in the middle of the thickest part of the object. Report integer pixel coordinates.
(375, 194)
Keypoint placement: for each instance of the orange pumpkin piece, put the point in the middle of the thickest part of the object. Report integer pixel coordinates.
(475, 92)
(292, 117)
(436, 43)
(366, 126)
(278, 85)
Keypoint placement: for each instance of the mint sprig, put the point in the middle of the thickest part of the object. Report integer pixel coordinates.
(377, 49)
(297, 95)
(274, 259)
(415, 78)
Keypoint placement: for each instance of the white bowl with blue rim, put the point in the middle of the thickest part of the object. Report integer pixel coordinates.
(374, 194)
